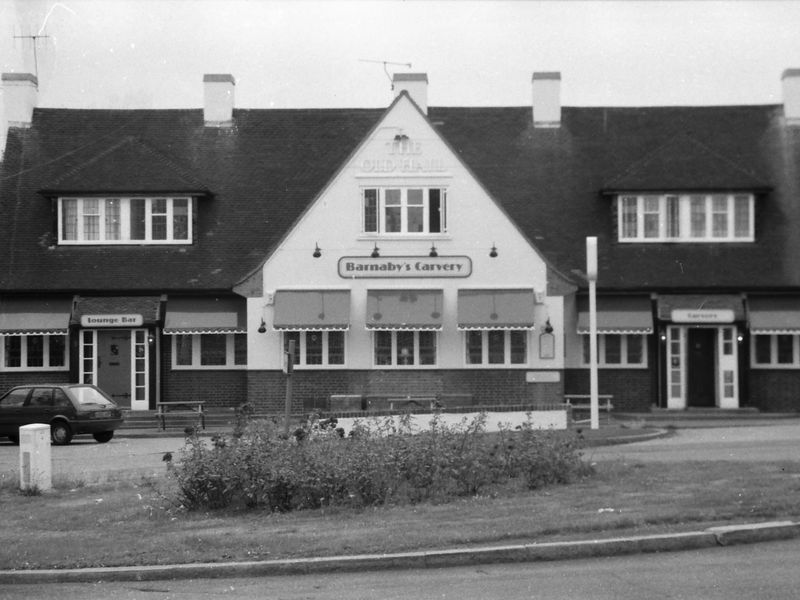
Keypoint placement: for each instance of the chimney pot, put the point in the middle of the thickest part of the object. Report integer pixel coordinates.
(546, 99)
(415, 84)
(19, 96)
(218, 100)
(791, 96)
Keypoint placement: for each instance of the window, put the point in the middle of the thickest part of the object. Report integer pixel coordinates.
(404, 210)
(209, 351)
(125, 221)
(35, 352)
(695, 218)
(496, 347)
(405, 348)
(617, 351)
(780, 351)
(316, 348)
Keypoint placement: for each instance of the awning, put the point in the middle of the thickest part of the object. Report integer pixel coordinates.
(700, 308)
(774, 314)
(94, 311)
(35, 316)
(495, 309)
(205, 315)
(312, 310)
(617, 315)
(404, 309)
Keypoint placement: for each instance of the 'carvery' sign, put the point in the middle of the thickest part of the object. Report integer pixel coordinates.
(404, 266)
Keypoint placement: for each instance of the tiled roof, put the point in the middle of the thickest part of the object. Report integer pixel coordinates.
(266, 169)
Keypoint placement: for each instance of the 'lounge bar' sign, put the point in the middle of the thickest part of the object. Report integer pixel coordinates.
(395, 267)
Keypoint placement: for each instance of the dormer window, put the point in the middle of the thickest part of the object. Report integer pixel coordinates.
(139, 220)
(685, 218)
(412, 210)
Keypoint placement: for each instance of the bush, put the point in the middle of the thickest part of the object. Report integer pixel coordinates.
(381, 461)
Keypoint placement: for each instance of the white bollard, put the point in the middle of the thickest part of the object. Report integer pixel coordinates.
(35, 464)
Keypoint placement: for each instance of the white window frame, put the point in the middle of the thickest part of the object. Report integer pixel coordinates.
(124, 204)
(484, 363)
(669, 230)
(302, 350)
(196, 364)
(601, 351)
(380, 226)
(24, 353)
(394, 364)
(773, 352)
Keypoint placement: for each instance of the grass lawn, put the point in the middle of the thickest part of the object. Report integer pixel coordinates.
(131, 522)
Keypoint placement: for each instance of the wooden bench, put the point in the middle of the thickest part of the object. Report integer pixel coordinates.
(604, 403)
(400, 401)
(194, 407)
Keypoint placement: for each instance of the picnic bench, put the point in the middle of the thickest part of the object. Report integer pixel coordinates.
(192, 407)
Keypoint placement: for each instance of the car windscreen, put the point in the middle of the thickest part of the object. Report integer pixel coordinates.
(89, 395)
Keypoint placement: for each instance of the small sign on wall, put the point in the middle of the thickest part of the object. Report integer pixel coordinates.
(396, 267)
(131, 320)
(543, 376)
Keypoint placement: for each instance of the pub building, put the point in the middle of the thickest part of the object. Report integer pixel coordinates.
(411, 252)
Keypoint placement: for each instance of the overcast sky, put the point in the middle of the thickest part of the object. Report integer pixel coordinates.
(153, 53)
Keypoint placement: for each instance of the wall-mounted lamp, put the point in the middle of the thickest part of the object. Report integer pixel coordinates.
(663, 337)
(151, 338)
(740, 338)
(433, 253)
(375, 252)
(493, 251)
(317, 251)
(400, 137)
(548, 328)
(263, 327)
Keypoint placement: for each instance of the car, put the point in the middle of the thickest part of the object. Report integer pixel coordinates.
(69, 409)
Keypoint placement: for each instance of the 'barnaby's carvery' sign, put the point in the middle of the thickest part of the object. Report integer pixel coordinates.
(351, 267)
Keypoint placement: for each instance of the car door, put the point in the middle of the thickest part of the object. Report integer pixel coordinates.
(11, 415)
(39, 406)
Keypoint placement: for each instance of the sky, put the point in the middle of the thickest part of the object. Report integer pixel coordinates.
(329, 54)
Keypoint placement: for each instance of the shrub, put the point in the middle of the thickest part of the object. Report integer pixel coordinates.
(381, 461)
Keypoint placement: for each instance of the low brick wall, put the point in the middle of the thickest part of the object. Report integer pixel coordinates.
(633, 389)
(775, 390)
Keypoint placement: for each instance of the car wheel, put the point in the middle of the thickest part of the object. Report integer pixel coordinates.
(60, 433)
(103, 436)
(14, 439)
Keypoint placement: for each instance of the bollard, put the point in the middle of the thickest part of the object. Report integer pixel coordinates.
(35, 464)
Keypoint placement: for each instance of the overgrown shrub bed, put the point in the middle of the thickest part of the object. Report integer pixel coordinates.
(379, 462)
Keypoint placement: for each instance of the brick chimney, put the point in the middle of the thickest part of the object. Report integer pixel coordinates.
(416, 84)
(791, 96)
(546, 99)
(19, 97)
(218, 100)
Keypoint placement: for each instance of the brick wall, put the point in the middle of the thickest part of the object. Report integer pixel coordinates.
(11, 379)
(775, 390)
(633, 389)
(311, 390)
(215, 388)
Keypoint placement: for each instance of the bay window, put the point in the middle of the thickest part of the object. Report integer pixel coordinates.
(776, 351)
(316, 348)
(209, 351)
(496, 347)
(404, 348)
(614, 350)
(34, 352)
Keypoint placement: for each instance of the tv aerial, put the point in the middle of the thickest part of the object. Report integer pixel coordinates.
(385, 63)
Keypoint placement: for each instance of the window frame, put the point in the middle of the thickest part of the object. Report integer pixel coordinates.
(677, 218)
(197, 356)
(24, 354)
(124, 232)
(774, 355)
(415, 350)
(624, 363)
(485, 348)
(374, 209)
(301, 349)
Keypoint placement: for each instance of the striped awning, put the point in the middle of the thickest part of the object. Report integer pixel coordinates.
(312, 310)
(35, 315)
(617, 315)
(193, 315)
(770, 315)
(495, 309)
(404, 309)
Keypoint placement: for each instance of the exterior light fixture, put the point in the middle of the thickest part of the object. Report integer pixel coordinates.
(375, 252)
(317, 251)
(433, 253)
(263, 327)
(493, 251)
(548, 328)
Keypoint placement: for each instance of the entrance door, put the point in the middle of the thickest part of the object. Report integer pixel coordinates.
(114, 365)
(701, 366)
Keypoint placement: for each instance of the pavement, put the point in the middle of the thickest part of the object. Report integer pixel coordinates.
(147, 446)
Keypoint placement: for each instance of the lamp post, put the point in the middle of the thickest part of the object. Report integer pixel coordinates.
(591, 275)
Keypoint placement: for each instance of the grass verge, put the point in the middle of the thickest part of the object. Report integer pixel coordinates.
(132, 522)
